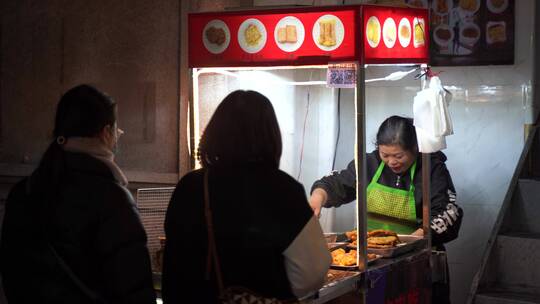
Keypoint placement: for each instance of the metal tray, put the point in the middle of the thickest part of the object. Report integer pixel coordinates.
(336, 237)
(352, 267)
(334, 276)
(334, 246)
(408, 243)
(330, 237)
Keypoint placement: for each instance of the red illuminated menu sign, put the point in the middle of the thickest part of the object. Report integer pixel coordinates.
(303, 36)
(274, 37)
(395, 35)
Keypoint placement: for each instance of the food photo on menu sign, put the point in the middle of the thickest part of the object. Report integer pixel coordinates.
(470, 32)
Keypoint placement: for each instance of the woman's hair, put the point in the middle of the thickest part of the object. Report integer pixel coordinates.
(397, 130)
(243, 129)
(82, 111)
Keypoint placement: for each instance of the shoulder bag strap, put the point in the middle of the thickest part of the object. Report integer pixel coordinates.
(212, 251)
(80, 284)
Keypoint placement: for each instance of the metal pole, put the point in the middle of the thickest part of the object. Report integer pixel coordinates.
(360, 163)
(426, 196)
(426, 188)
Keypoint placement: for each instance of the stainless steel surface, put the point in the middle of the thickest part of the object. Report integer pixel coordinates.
(409, 243)
(330, 237)
(377, 257)
(406, 257)
(334, 277)
(337, 288)
(355, 283)
(334, 246)
(347, 268)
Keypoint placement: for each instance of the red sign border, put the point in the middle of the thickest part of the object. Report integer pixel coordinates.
(312, 60)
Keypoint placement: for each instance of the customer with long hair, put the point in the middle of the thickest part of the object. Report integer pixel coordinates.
(266, 236)
(71, 232)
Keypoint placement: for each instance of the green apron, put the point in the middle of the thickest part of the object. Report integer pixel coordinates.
(390, 208)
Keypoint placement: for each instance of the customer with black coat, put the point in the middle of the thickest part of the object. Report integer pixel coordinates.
(71, 232)
(266, 236)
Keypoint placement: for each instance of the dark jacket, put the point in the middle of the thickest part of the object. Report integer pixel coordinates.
(93, 226)
(446, 216)
(257, 213)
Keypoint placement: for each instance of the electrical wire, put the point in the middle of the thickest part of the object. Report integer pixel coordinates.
(394, 76)
(303, 137)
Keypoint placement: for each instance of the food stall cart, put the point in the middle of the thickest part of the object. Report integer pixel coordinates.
(342, 40)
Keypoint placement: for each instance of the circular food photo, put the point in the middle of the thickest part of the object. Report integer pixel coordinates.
(216, 36)
(252, 35)
(443, 36)
(497, 6)
(289, 34)
(328, 32)
(442, 7)
(404, 32)
(469, 34)
(469, 7)
(389, 33)
(373, 31)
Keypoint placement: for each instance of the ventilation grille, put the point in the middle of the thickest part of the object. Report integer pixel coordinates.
(152, 204)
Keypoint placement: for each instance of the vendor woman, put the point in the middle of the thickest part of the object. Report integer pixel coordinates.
(394, 192)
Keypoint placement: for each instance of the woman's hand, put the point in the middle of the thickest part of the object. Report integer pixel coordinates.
(419, 232)
(317, 200)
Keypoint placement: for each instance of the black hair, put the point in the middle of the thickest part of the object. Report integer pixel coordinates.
(82, 111)
(243, 129)
(397, 130)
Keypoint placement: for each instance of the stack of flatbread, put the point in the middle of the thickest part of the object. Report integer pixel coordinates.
(382, 239)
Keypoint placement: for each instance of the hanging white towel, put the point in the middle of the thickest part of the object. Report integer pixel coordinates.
(431, 117)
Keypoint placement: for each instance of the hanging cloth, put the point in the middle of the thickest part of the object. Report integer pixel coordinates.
(391, 208)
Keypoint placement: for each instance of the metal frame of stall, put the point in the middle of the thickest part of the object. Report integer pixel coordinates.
(360, 147)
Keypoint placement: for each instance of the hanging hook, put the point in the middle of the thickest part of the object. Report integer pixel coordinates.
(424, 72)
(419, 75)
(428, 73)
